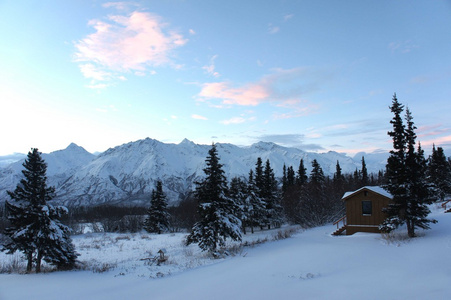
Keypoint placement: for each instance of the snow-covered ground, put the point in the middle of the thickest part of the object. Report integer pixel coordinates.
(310, 265)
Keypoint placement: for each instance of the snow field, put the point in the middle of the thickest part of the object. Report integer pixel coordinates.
(310, 265)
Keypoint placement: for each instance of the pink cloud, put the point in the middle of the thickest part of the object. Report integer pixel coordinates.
(283, 89)
(250, 95)
(199, 117)
(130, 42)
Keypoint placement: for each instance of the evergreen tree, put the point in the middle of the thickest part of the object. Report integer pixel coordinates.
(288, 178)
(239, 194)
(364, 173)
(338, 176)
(284, 179)
(217, 211)
(405, 175)
(257, 206)
(291, 176)
(338, 182)
(157, 219)
(270, 196)
(440, 172)
(258, 177)
(317, 175)
(35, 227)
(301, 177)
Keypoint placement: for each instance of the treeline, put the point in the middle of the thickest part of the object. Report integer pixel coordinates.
(307, 199)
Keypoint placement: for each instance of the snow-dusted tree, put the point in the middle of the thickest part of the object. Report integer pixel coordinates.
(53, 241)
(35, 227)
(271, 197)
(440, 172)
(217, 211)
(239, 194)
(406, 177)
(257, 206)
(157, 219)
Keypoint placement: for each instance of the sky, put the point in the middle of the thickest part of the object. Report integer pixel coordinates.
(316, 75)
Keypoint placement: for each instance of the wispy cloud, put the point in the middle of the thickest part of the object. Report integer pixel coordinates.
(282, 88)
(250, 94)
(402, 47)
(237, 120)
(272, 29)
(288, 17)
(210, 68)
(126, 42)
(198, 117)
(431, 131)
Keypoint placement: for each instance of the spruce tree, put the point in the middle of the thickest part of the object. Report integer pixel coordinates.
(291, 176)
(364, 176)
(317, 175)
(440, 172)
(338, 176)
(258, 177)
(301, 177)
(405, 175)
(35, 227)
(217, 211)
(257, 206)
(157, 219)
(271, 197)
(238, 193)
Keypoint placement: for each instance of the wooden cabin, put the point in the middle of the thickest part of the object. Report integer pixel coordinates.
(363, 210)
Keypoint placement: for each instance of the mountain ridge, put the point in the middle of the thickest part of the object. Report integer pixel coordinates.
(126, 174)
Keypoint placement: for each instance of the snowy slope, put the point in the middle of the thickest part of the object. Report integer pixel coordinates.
(127, 173)
(310, 265)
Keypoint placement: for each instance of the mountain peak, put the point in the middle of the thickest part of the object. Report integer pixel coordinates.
(185, 141)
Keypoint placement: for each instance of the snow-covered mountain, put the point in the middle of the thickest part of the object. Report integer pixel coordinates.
(127, 174)
(61, 165)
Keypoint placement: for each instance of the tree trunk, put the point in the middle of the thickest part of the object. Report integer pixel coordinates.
(30, 262)
(38, 262)
(410, 229)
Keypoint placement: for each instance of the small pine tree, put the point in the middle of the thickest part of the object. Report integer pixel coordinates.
(217, 211)
(35, 227)
(157, 219)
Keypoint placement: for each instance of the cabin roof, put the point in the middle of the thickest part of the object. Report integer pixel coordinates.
(376, 189)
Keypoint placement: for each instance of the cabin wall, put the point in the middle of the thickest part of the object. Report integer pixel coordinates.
(358, 222)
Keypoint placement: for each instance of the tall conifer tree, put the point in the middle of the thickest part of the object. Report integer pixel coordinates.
(35, 226)
(405, 175)
(218, 212)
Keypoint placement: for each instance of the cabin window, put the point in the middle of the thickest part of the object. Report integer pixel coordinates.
(367, 208)
(365, 193)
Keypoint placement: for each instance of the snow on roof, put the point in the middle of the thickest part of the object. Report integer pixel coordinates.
(376, 189)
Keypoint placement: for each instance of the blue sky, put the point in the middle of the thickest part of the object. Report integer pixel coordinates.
(317, 75)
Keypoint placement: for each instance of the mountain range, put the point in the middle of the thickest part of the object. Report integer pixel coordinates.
(126, 174)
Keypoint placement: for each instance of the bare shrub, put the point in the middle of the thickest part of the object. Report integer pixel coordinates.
(103, 267)
(13, 264)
